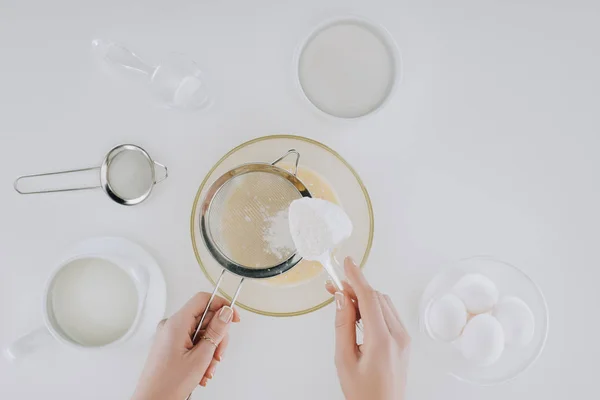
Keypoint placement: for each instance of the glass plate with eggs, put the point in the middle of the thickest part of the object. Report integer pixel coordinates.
(483, 321)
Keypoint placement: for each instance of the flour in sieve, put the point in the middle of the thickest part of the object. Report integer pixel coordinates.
(277, 236)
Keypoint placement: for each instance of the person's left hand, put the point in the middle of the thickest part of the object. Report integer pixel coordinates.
(175, 366)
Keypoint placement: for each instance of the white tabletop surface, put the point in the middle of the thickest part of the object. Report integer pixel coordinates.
(490, 146)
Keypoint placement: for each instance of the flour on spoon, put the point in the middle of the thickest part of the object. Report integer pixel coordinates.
(317, 227)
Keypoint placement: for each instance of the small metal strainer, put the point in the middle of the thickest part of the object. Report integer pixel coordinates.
(244, 223)
(127, 175)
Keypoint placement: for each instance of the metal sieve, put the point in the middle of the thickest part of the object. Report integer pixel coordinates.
(127, 176)
(243, 213)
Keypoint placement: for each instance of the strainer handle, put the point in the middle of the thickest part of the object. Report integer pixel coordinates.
(289, 152)
(66, 189)
(210, 300)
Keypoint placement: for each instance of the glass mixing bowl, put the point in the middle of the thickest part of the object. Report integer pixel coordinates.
(511, 281)
(261, 296)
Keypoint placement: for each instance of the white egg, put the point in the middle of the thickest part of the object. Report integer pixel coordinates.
(482, 340)
(516, 319)
(447, 317)
(478, 293)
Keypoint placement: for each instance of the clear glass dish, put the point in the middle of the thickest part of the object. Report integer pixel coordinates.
(259, 296)
(511, 281)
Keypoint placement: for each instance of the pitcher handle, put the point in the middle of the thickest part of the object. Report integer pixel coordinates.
(28, 344)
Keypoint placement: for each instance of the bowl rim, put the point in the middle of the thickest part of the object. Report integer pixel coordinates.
(261, 139)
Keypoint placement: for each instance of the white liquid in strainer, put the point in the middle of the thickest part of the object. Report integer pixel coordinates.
(347, 69)
(93, 302)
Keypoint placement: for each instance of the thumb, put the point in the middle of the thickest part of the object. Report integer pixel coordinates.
(210, 339)
(345, 330)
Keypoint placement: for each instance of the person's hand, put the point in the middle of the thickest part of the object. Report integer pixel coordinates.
(375, 370)
(175, 366)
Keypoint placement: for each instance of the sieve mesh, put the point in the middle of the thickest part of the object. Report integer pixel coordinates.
(130, 174)
(248, 222)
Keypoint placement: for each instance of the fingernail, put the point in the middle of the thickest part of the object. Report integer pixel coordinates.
(226, 314)
(340, 300)
(328, 282)
(221, 356)
(211, 373)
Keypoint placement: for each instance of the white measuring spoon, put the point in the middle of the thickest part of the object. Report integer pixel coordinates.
(311, 218)
(325, 260)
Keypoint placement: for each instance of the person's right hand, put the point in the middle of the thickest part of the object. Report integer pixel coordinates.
(375, 370)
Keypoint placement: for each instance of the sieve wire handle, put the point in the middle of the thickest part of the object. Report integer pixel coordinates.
(290, 152)
(68, 189)
(210, 300)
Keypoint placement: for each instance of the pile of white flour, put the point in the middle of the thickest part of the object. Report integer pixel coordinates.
(317, 226)
(277, 236)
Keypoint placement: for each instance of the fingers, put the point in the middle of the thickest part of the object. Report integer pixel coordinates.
(368, 302)
(345, 331)
(221, 348)
(388, 315)
(210, 371)
(161, 323)
(212, 337)
(349, 291)
(190, 314)
(204, 381)
(390, 304)
(347, 288)
(392, 319)
(218, 357)
(196, 305)
(207, 319)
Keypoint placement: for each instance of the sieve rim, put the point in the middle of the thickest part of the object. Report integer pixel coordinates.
(105, 181)
(226, 262)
